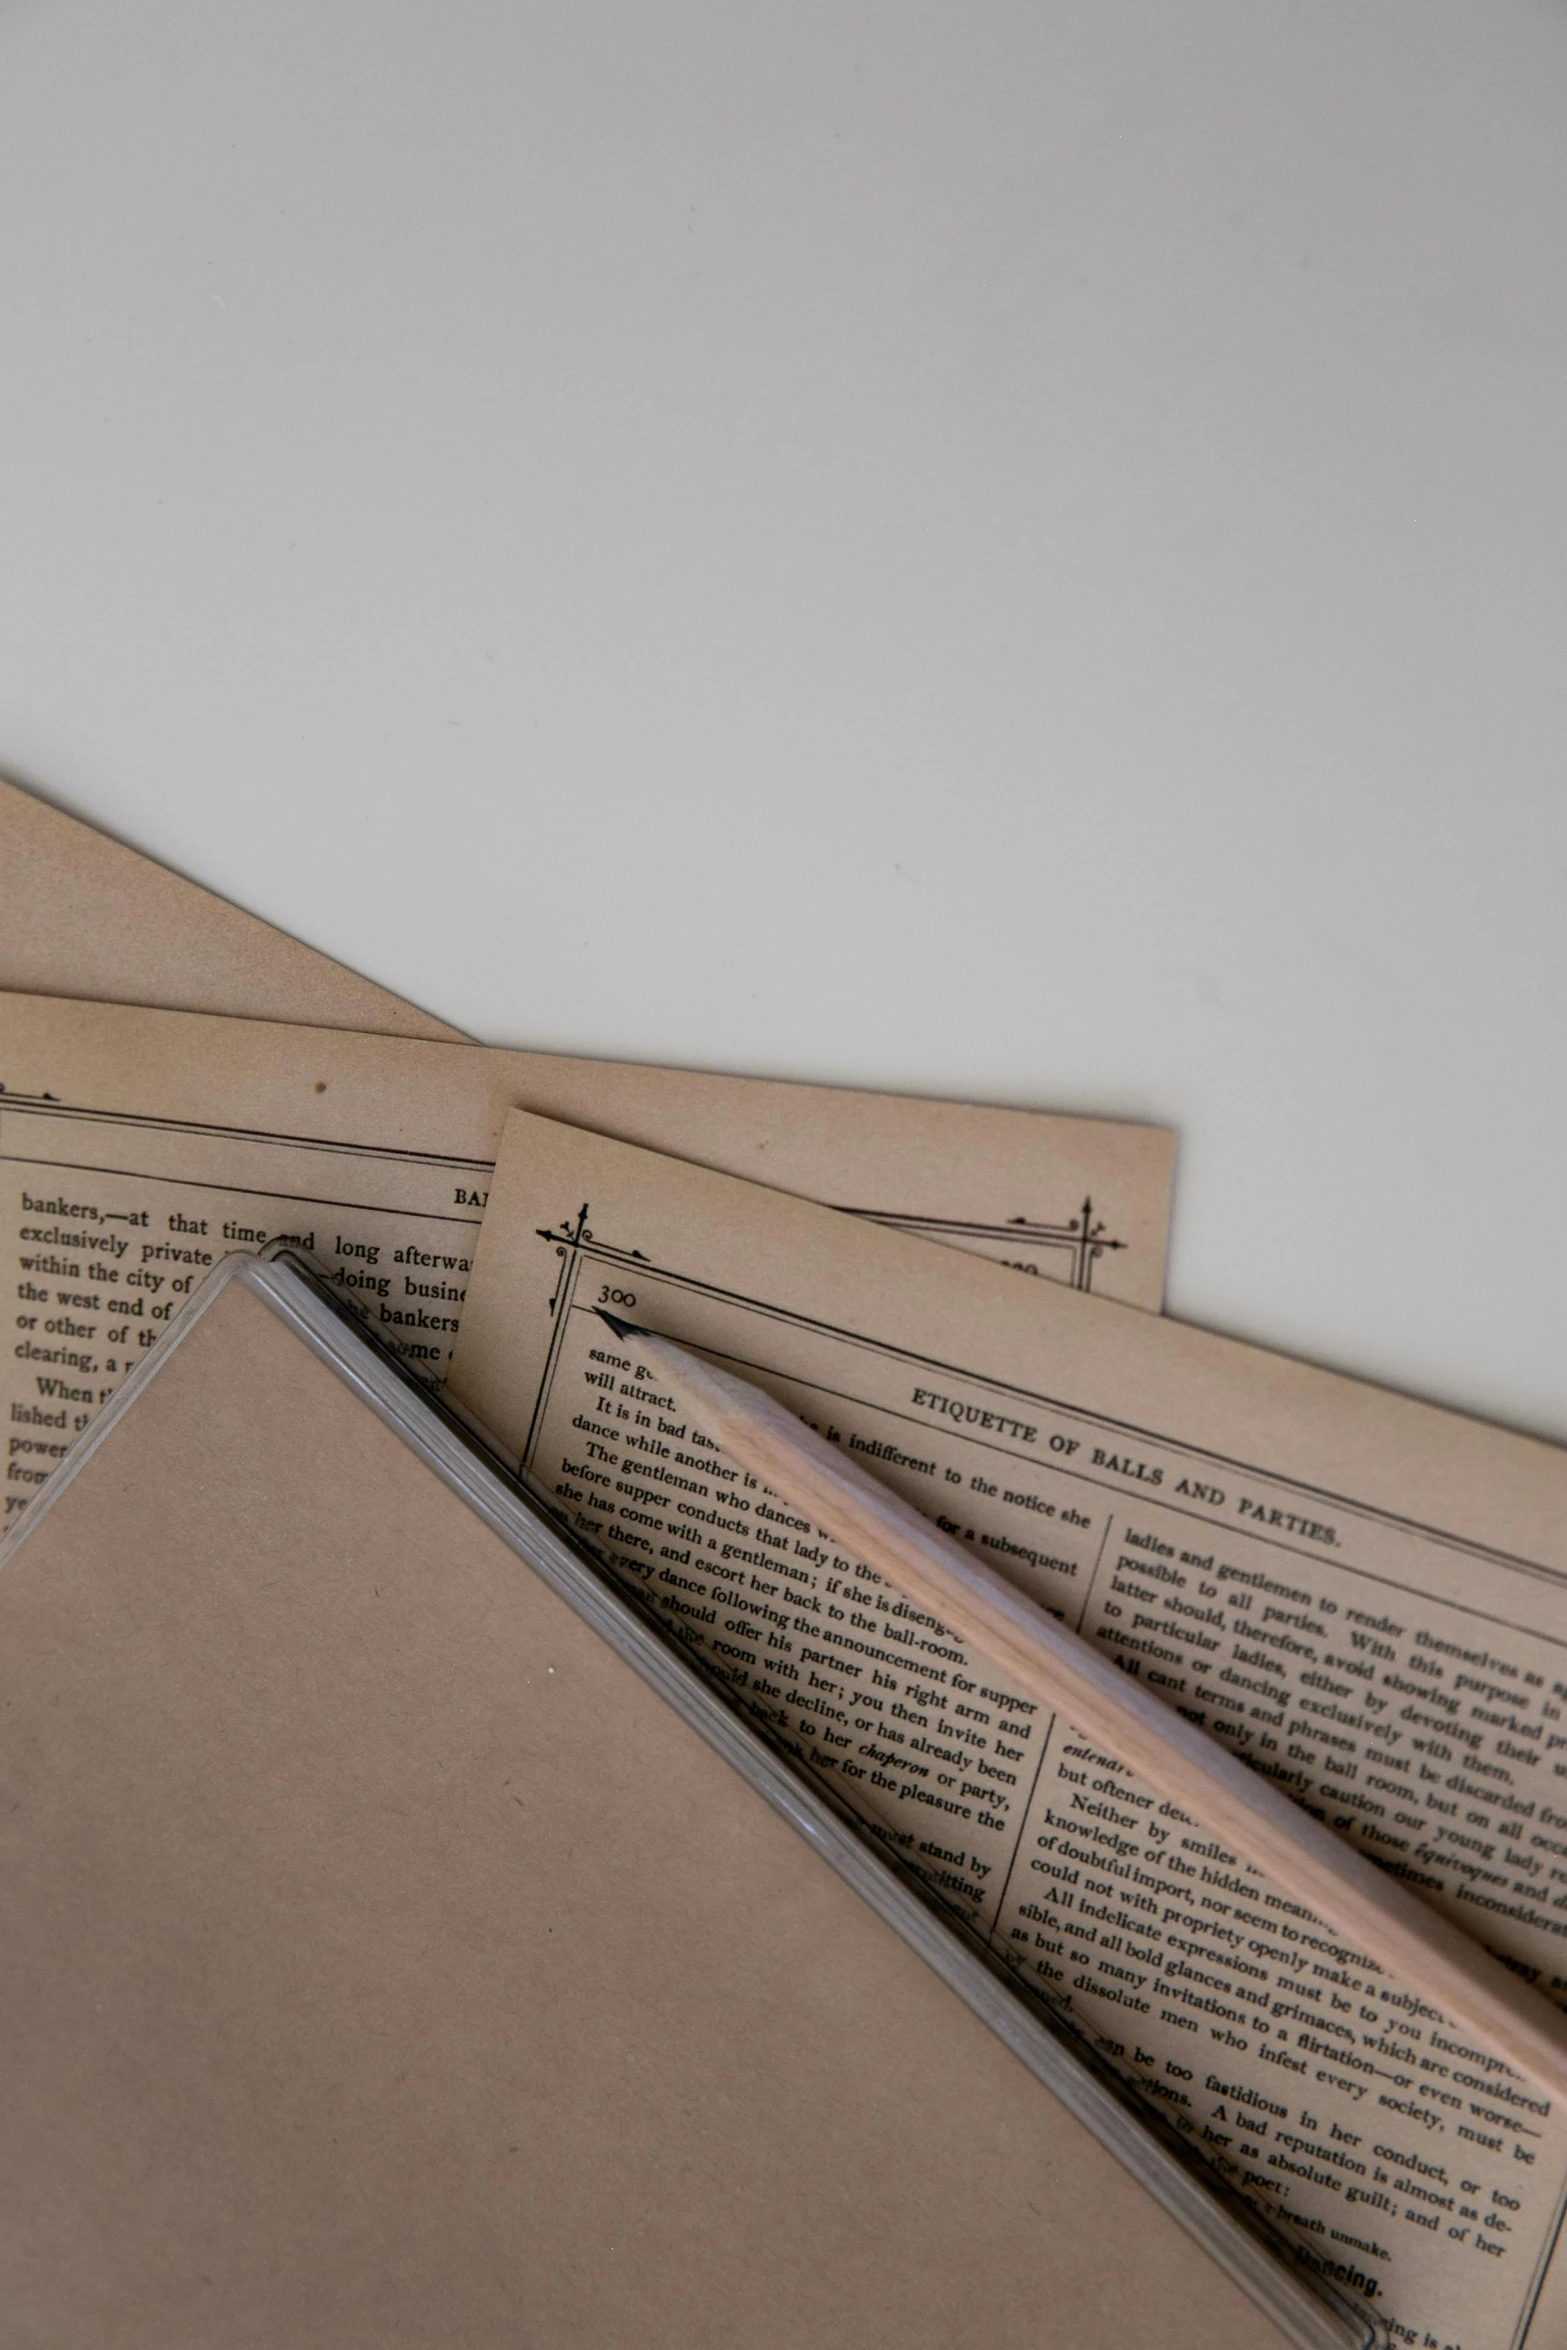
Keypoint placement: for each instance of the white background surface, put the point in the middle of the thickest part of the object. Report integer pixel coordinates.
(1006, 549)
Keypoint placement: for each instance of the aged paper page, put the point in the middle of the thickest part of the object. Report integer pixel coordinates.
(1363, 1596)
(82, 915)
(138, 1147)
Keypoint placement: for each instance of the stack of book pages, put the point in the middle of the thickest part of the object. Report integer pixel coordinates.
(1358, 1595)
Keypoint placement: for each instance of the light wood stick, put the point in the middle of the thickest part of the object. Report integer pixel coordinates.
(1374, 1913)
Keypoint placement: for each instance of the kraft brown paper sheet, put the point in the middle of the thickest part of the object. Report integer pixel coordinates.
(387, 1965)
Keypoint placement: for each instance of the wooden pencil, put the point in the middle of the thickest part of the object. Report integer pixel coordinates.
(1377, 1916)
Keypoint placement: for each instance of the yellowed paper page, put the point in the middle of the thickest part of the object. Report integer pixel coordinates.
(140, 1146)
(1363, 1596)
(82, 915)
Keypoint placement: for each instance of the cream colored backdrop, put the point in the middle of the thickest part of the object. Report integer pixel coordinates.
(1013, 549)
